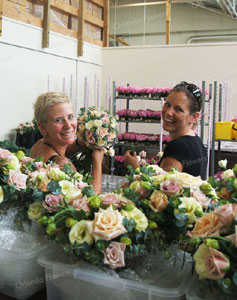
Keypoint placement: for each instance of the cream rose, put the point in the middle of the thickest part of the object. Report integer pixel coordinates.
(228, 173)
(111, 152)
(79, 233)
(1, 194)
(210, 263)
(107, 224)
(90, 124)
(97, 123)
(13, 164)
(138, 216)
(69, 190)
(222, 163)
(158, 201)
(186, 179)
(208, 225)
(114, 255)
(57, 174)
(81, 128)
(191, 205)
(101, 132)
(35, 211)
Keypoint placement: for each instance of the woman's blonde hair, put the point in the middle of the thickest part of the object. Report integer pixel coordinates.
(46, 100)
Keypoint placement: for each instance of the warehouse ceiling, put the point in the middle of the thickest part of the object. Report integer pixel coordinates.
(226, 7)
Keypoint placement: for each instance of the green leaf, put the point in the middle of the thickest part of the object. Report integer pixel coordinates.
(54, 187)
(88, 191)
(234, 278)
(129, 224)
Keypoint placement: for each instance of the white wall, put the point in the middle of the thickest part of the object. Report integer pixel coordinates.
(27, 70)
(187, 20)
(164, 66)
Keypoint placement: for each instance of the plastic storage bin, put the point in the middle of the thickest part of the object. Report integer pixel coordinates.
(224, 131)
(20, 274)
(80, 280)
(195, 293)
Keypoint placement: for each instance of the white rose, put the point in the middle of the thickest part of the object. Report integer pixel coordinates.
(97, 123)
(186, 179)
(57, 174)
(107, 224)
(97, 113)
(69, 190)
(222, 163)
(80, 233)
(138, 216)
(228, 173)
(13, 164)
(111, 152)
(191, 205)
(113, 124)
(90, 124)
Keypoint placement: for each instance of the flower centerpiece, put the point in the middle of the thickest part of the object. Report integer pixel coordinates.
(103, 230)
(97, 128)
(172, 201)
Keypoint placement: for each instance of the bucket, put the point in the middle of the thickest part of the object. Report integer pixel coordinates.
(224, 130)
(234, 131)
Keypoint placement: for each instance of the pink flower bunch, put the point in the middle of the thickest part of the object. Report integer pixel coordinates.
(142, 137)
(234, 119)
(147, 114)
(146, 92)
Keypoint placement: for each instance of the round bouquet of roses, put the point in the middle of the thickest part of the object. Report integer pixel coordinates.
(97, 128)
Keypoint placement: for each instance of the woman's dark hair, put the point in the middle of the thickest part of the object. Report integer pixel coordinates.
(192, 92)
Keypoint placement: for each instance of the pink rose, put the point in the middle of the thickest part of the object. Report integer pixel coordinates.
(158, 201)
(200, 197)
(101, 132)
(81, 204)
(17, 178)
(91, 140)
(114, 255)
(142, 154)
(5, 156)
(219, 175)
(171, 187)
(225, 214)
(51, 200)
(88, 134)
(210, 263)
(26, 159)
(80, 185)
(39, 164)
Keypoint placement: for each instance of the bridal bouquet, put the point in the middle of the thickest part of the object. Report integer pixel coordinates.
(97, 128)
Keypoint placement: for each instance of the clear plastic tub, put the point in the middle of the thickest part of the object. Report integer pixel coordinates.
(67, 280)
(20, 274)
(195, 293)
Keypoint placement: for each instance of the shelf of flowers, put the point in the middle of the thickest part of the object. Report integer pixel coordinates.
(140, 139)
(140, 115)
(132, 92)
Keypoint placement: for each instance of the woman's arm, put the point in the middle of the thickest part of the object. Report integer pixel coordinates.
(169, 162)
(97, 156)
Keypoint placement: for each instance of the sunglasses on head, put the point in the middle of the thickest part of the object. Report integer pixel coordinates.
(193, 89)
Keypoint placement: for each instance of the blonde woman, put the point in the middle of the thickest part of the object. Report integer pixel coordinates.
(54, 115)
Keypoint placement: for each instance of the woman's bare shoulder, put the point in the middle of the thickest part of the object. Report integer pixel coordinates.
(40, 149)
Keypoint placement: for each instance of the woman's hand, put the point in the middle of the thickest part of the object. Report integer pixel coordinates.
(130, 158)
(98, 155)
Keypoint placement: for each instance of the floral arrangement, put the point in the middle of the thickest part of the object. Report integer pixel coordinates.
(97, 128)
(25, 127)
(142, 138)
(138, 115)
(104, 230)
(172, 201)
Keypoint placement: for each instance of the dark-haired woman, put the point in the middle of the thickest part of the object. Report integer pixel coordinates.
(185, 151)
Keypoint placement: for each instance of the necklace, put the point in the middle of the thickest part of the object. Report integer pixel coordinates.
(52, 148)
